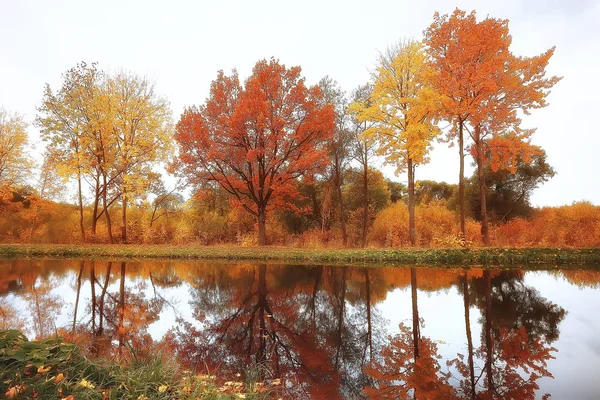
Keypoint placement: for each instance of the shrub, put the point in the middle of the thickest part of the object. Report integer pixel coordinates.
(577, 225)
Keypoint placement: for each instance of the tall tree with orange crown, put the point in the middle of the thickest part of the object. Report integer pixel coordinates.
(483, 87)
(257, 140)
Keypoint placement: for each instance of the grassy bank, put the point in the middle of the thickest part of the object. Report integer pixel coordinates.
(53, 369)
(476, 256)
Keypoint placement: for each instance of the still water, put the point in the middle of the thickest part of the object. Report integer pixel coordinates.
(328, 332)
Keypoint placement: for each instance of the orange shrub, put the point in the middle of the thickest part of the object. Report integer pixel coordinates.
(436, 225)
(577, 225)
(390, 228)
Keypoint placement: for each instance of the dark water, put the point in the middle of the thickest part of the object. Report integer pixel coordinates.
(328, 332)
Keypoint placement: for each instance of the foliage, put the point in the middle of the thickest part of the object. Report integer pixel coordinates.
(508, 193)
(428, 191)
(54, 369)
(402, 108)
(436, 222)
(15, 166)
(106, 130)
(403, 373)
(482, 88)
(256, 140)
(577, 225)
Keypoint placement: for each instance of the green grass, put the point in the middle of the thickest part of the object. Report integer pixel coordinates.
(53, 369)
(474, 256)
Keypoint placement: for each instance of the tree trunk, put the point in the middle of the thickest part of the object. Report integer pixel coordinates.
(461, 179)
(338, 188)
(77, 296)
(340, 318)
(411, 202)
(124, 219)
(365, 216)
(415, 311)
(482, 196)
(262, 304)
(107, 214)
(262, 230)
(101, 304)
(368, 306)
(95, 210)
(80, 195)
(467, 305)
(488, 331)
(93, 288)
(121, 331)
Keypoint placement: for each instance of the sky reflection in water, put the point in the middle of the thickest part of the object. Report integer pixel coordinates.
(329, 331)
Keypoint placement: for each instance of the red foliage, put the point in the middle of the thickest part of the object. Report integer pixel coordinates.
(257, 140)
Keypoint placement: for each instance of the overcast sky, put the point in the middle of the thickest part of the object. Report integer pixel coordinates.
(182, 45)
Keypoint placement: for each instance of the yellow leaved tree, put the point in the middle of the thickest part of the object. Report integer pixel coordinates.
(14, 165)
(401, 108)
(143, 135)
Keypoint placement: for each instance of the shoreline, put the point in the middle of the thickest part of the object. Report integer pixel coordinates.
(433, 256)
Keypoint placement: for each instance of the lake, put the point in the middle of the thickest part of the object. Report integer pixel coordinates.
(327, 331)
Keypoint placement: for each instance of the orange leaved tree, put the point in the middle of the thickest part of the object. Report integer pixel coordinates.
(257, 140)
(483, 86)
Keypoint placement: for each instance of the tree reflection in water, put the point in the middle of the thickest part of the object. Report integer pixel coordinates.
(317, 328)
(518, 328)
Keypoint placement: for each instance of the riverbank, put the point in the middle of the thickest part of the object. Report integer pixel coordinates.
(55, 369)
(460, 256)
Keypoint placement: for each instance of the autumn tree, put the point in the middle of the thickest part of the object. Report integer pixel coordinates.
(402, 106)
(340, 146)
(142, 135)
(363, 151)
(483, 86)
(166, 202)
(14, 164)
(73, 122)
(257, 140)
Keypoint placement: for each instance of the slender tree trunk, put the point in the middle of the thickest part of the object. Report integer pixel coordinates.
(124, 219)
(411, 202)
(122, 310)
(316, 210)
(415, 311)
(95, 208)
(341, 313)
(106, 213)
(368, 305)
(153, 214)
(338, 188)
(365, 216)
(77, 296)
(262, 230)
(101, 305)
(482, 195)
(38, 312)
(461, 178)
(93, 288)
(80, 195)
(488, 330)
(262, 303)
(467, 304)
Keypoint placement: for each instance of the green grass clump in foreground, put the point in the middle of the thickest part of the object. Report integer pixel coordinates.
(460, 256)
(52, 369)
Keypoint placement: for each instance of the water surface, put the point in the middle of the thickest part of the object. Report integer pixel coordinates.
(328, 332)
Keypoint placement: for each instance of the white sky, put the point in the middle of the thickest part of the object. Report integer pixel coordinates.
(181, 45)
